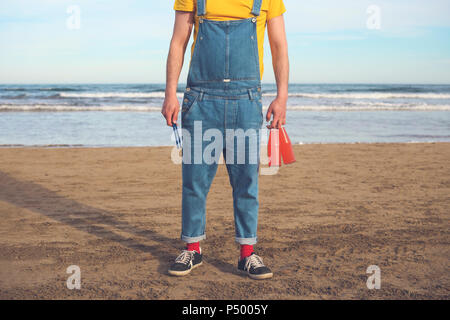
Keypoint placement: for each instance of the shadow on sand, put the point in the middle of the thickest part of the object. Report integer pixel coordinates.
(36, 198)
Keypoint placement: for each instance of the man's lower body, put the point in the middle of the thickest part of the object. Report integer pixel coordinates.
(219, 122)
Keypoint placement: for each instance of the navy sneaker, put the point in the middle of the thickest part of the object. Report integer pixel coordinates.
(185, 262)
(254, 267)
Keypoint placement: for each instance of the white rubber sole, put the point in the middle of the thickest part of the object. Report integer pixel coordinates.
(184, 273)
(257, 276)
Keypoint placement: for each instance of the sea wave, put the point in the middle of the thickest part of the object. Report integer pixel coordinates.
(359, 95)
(155, 94)
(40, 89)
(146, 108)
(19, 96)
(77, 108)
(13, 89)
(59, 89)
(369, 107)
(401, 89)
(367, 95)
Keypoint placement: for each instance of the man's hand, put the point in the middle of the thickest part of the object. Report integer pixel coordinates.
(170, 109)
(278, 109)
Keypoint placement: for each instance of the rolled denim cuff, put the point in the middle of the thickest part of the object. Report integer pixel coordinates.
(193, 239)
(248, 241)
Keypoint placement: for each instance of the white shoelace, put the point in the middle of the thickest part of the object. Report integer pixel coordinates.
(185, 257)
(254, 261)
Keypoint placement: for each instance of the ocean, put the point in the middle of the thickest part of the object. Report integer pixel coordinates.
(120, 115)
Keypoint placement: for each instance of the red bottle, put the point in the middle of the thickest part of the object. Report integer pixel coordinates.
(287, 152)
(279, 146)
(273, 148)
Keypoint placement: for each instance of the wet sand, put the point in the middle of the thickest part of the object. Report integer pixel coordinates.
(115, 212)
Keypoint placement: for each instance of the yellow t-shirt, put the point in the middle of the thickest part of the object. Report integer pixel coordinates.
(222, 10)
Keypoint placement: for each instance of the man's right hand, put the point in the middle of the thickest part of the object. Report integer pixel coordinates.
(170, 109)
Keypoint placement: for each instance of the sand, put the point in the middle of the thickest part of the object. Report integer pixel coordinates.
(115, 213)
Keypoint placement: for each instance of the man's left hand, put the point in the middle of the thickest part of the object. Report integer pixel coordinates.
(278, 109)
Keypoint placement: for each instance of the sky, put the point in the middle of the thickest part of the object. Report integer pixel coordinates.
(114, 41)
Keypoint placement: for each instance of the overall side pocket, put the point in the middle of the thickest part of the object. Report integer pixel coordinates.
(189, 100)
(258, 103)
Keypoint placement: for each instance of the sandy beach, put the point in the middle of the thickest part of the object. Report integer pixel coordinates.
(115, 213)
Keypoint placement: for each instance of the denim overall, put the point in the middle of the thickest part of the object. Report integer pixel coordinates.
(222, 107)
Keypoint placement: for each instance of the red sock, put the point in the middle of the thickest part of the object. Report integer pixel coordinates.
(246, 250)
(193, 246)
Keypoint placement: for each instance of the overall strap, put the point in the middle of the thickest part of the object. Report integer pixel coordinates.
(256, 10)
(201, 8)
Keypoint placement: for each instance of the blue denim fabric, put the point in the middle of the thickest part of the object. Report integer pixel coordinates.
(222, 104)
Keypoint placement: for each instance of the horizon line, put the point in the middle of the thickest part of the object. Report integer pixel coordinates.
(263, 83)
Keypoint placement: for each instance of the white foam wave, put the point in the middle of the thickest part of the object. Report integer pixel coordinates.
(157, 94)
(368, 95)
(141, 108)
(77, 108)
(371, 107)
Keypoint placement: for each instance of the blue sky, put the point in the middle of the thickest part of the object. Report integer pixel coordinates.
(127, 41)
